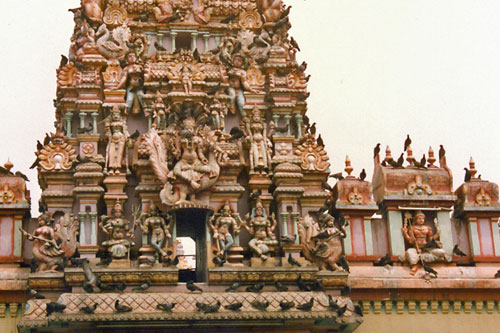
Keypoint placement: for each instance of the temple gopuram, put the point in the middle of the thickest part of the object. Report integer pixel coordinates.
(185, 120)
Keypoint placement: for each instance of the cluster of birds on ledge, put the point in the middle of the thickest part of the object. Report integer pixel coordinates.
(317, 285)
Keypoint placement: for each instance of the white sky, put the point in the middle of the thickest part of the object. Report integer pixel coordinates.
(380, 70)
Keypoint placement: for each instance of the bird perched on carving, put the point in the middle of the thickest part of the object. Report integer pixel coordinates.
(104, 261)
(337, 175)
(362, 175)
(398, 164)
(159, 47)
(294, 43)
(420, 164)
(442, 152)
(385, 260)
(343, 263)
(87, 287)
(468, 175)
(87, 129)
(122, 308)
(280, 286)
(255, 287)
(358, 310)
(234, 306)
(285, 306)
(285, 13)
(34, 294)
(201, 306)
(262, 306)
(407, 142)
(255, 195)
(284, 22)
(312, 129)
(292, 261)
(306, 306)
(318, 286)
(302, 286)
(89, 309)
(376, 150)
(167, 307)
(234, 286)
(120, 286)
(287, 239)
(54, 307)
(319, 141)
(458, 252)
(228, 19)
(90, 277)
(143, 287)
(192, 287)
(430, 245)
(64, 61)
(430, 270)
(497, 274)
(341, 311)
(212, 308)
(236, 133)
(333, 305)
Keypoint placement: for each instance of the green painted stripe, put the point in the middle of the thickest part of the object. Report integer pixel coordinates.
(368, 237)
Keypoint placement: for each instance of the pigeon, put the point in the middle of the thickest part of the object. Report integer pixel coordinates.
(376, 150)
(497, 274)
(192, 287)
(105, 287)
(287, 239)
(144, 17)
(318, 286)
(87, 129)
(35, 164)
(358, 310)
(255, 195)
(407, 142)
(285, 13)
(341, 310)
(326, 186)
(282, 129)
(400, 161)
(294, 43)
(319, 140)
(312, 129)
(280, 286)
(468, 175)
(286, 305)
(39, 145)
(236, 133)
(64, 61)
(337, 176)
(420, 164)
(458, 252)
(234, 306)
(201, 306)
(234, 286)
(384, 163)
(430, 245)
(344, 263)
(143, 287)
(302, 286)
(173, 262)
(332, 304)
(442, 152)
(280, 24)
(159, 47)
(262, 306)
(54, 307)
(196, 55)
(362, 175)
(306, 306)
(89, 309)
(122, 308)
(135, 135)
(385, 260)
(212, 308)
(105, 261)
(346, 291)
(87, 287)
(255, 287)
(429, 269)
(34, 294)
(228, 19)
(292, 261)
(166, 307)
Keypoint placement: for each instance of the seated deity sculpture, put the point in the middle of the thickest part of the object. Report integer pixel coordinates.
(424, 243)
(118, 231)
(261, 228)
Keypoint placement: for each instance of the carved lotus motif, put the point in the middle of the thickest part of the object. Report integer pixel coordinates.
(57, 155)
(418, 187)
(483, 199)
(313, 156)
(354, 197)
(7, 195)
(67, 76)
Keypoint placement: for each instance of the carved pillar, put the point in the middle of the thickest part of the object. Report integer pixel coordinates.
(295, 218)
(287, 123)
(93, 230)
(206, 38)
(149, 36)
(173, 35)
(194, 35)
(217, 40)
(82, 116)
(83, 232)
(160, 38)
(284, 222)
(298, 119)
(94, 122)
(68, 117)
(276, 119)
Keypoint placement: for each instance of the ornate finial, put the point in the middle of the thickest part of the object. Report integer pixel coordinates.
(409, 155)
(472, 167)
(8, 165)
(348, 167)
(388, 155)
(431, 159)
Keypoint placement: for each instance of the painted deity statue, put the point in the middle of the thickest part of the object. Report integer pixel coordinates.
(321, 241)
(238, 83)
(153, 224)
(424, 243)
(116, 130)
(52, 244)
(133, 79)
(118, 231)
(261, 228)
(159, 114)
(260, 145)
(221, 224)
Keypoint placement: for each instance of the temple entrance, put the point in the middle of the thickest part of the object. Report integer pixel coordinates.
(192, 223)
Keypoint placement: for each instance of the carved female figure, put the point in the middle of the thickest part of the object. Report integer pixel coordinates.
(133, 79)
(260, 146)
(155, 225)
(261, 228)
(221, 230)
(117, 228)
(238, 83)
(117, 134)
(47, 251)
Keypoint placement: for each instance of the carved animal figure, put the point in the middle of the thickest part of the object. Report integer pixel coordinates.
(113, 45)
(321, 246)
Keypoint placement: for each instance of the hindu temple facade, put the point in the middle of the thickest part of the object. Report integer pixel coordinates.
(188, 118)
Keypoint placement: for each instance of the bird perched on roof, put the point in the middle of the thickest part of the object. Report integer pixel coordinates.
(292, 261)
(87, 287)
(255, 287)
(286, 305)
(420, 164)
(458, 252)
(430, 270)
(213, 308)
(234, 306)
(362, 175)
(344, 263)
(285, 13)
(385, 260)
(341, 310)
(120, 286)
(407, 142)
(89, 309)
(201, 306)
(333, 305)
(280, 286)
(192, 287)
(143, 287)
(302, 286)
(318, 286)
(262, 306)
(468, 175)
(234, 286)
(54, 307)
(34, 294)
(167, 307)
(376, 150)
(122, 308)
(306, 306)
(358, 310)
(337, 175)
(442, 152)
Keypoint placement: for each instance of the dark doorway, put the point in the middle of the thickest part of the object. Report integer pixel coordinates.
(192, 223)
